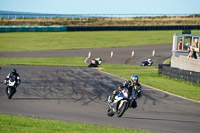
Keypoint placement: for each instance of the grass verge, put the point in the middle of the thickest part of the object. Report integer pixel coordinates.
(62, 61)
(34, 41)
(168, 61)
(149, 76)
(20, 124)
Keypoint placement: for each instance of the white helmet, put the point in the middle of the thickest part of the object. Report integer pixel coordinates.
(149, 60)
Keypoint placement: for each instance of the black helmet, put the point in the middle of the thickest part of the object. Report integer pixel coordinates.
(13, 71)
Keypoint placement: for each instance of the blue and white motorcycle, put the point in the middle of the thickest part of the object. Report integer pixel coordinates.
(147, 62)
(121, 103)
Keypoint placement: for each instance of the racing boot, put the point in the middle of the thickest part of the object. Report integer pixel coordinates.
(115, 92)
(134, 104)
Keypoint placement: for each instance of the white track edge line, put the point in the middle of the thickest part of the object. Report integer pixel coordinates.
(154, 88)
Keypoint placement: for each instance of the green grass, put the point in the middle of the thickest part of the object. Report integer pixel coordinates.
(76, 40)
(168, 61)
(62, 61)
(33, 41)
(149, 76)
(20, 124)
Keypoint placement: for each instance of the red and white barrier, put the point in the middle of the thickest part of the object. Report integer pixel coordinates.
(133, 53)
(111, 54)
(89, 54)
(153, 53)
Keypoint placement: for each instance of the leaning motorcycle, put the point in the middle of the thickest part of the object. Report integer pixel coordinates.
(147, 62)
(121, 103)
(95, 62)
(11, 87)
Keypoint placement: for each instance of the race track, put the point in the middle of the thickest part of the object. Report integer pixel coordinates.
(79, 94)
(121, 55)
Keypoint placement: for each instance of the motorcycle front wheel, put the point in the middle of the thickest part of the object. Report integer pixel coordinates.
(121, 109)
(110, 112)
(9, 92)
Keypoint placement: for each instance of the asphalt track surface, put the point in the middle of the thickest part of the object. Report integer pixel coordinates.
(121, 55)
(79, 94)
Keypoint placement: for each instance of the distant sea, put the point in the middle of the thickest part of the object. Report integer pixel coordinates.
(13, 14)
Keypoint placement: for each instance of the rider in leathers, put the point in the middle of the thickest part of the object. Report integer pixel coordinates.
(13, 73)
(137, 87)
(130, 85)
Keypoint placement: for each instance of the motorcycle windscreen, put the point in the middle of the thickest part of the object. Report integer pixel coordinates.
(13, 78)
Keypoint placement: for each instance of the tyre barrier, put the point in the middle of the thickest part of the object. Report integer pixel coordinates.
(33, 28)
(132, 28)
(94, 28)
(176, 73)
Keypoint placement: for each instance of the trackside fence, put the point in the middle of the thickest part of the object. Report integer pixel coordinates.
(33, 28)
(132, 28)
(94, 28)
(186, 75)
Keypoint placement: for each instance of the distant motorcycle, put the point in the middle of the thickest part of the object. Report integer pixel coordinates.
(11, 87)
(148, 62)
(95, 62)
(121, 103)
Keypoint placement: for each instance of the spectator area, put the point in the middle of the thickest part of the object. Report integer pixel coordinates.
(186, 63)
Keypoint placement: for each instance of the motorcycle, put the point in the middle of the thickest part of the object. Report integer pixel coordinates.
(148, 62)
(11, 87)
(94, 63)
(121, 103)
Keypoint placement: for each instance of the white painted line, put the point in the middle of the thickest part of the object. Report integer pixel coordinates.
(155, 88)
(171, 93)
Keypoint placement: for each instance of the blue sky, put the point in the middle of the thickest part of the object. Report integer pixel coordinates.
(103, 6)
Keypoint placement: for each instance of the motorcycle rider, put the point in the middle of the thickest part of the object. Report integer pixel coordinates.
(147, 62)
(150, 62)
(95, 62)
(137, 87)
(14, 74)
(130, 84)
(98, 61)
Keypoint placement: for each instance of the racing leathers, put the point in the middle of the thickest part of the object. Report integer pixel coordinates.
(14, 75)
(137, 88)
(129, 86)
(120, 87)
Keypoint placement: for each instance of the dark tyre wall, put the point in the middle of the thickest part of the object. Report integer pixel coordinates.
(132, 28)
(186, 75)
(94, 28)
